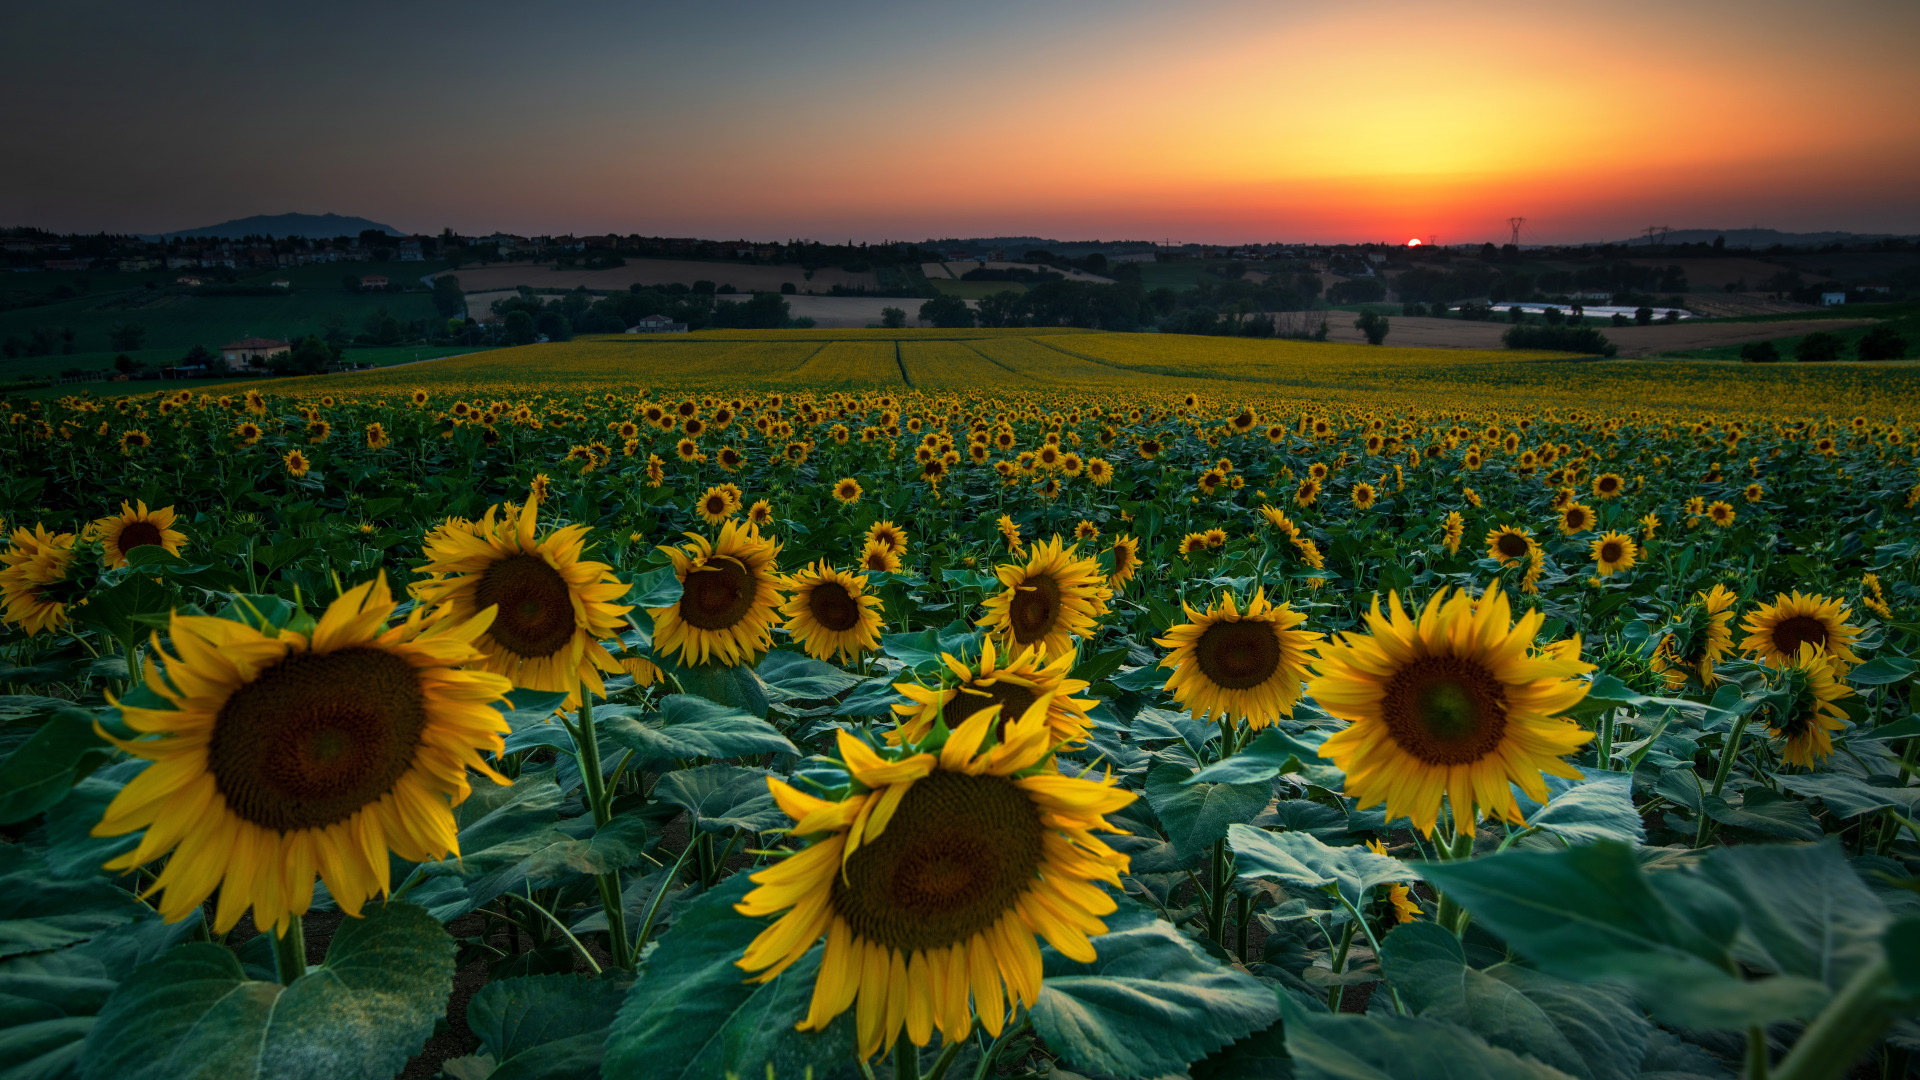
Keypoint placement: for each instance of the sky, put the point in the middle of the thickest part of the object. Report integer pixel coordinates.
(1206, 121)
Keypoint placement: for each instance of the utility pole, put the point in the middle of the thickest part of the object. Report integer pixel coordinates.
(1514, 223)
(1660, 231)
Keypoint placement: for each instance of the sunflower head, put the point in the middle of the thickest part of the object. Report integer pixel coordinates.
(1233, 665)
(1776, 631)
(33, 579)
(1054, 596)
(1013, 683)
(831, 614)
(279, 757)
(1458, 703)
(731, 588)
(715, 506)
(1575, 518)
(930, 870)
(1509, 544)
(847, 491)
(136, 526)
(1813, 686)
(1126, 560)
(1614, 552)
(890, 534)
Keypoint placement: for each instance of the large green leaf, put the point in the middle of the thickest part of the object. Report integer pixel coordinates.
(39, 911)
(1298, 858)
(1270, 754)
(736, 687)
(654, 589)
(792, 676)
(691, 727)
(38, 774)
(1152, 1002)
(1591, 914)
(721, 797)
(72, 849)
(692, 1013)
(1765, 811)
(500, 825)
(1599, 807)
(1197, 815)
(193, 1013)
(126, 610)
(1805, 912)
(1593, 1033)
(1328, 1047)
(1845, 796)
(550, 1027)
(48, 1000)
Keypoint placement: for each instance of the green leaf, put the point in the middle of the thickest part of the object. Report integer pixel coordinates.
(48, 1000)
(1593, 1033)
(1328, 1047)
(1097, 667)
(1903, 728)
(193, 1013)
(654, 589)
(792, 676)
(499, 826)
(1902, 945)
(1270, 754)
(1805, 912)
(736, 687)
(692, 1014)
(1152, 1002)
(39, 911)
(1844, 796)
(72, 849)
(1298, 858)
(122, 610)
(691, 727)
(1590, 914)
(1597, 808)
(38, 774)
(1764, 811)
(524, 707)
(1884, 671)
(1196, 815)
(721, 797)
(553, 1027)
(875, 697)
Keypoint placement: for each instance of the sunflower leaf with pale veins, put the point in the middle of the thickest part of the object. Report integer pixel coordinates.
(654, 589)
(1196, 815)
(1845, 796)
(553, 1027)
(1592, 915)
(1598, 807)
(39, 911)
(1805, 911)
(1324, 1046)
(1271, 753)
(499, 826)
(721, 797)
(693, 1014)
(794, 676)
(1151, 1003)
(875, 697)
(1765, 811)
(1302, 859)
(192, 1014)
(1593, 1033)
(735, 687)
(39, 773)
(691, 727)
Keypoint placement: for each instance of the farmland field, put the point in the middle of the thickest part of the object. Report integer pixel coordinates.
(1038, 702)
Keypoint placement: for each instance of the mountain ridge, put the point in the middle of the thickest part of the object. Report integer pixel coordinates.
(305, 226)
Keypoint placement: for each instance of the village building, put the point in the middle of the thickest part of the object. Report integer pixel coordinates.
(239, 355)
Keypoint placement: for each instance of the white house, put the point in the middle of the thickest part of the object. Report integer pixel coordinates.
(657, 324)
(1832, 299)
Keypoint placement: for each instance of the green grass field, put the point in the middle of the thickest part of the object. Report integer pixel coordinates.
(974, 290)
(1903, 318)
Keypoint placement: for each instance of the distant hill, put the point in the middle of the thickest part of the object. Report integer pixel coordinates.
(308, 226)
(1760, 238)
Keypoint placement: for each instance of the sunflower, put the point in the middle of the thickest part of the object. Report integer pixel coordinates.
(1776, 631)
(1216, 538)
(1454, 704)
(831, 613)
(890, 534)
(296, 754)
(1086, 531)
(1721, 513)
(1126, 560)
(1238, 665)
(33, 571)
(847, 491)
(1699, 638)
(1099, 471)
(732, 588)
(1013, 685)
(134, 439)
(929, 873)
(247, 432)
(878, 556)
(1807, 725)
(1048, 601)
(1455, 530)
(715, 506)
(1575, 517)
(1509, 544)
(1308, 492)
(555, 608)
(376, 436)
(1010, 532)
(1754, 493)
(297, 464)
(1614, 552)
(1608, 485)
(135, 527)
(760, 514)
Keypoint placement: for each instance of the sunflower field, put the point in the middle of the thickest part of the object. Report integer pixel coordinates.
(964, 705)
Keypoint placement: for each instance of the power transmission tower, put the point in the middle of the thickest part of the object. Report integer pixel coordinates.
(1515, 223)
(1652, 231)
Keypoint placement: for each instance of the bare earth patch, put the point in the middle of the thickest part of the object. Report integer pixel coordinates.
(1633, 340)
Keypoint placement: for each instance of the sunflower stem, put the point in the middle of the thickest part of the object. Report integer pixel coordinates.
(600, 802)
(906, 1058)
(1850, 1023)
(1451, 914)
(290, 952)
(1340, 963)
(1756, 1053)
(1727, 754)
(945, 1060)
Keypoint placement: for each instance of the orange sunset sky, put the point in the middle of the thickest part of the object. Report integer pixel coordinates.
(1200, 121)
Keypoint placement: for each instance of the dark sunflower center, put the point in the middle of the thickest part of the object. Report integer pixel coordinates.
(1014, 701)
(313, 739)
(1610, 552)
(717, 595)
(536, 607)
(1576, 518)
(1035, 608)
(716, 505)
(1608, 483)
(1238, 655)
(1122, 558)
(1445, 710)
(955, 857)
(139, 534)
(1512, 545)
(833, 607)
(1791, 633)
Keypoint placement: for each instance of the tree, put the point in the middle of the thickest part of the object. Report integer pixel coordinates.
(1819, 347)
(947, 312)
(766, 311)
(1362, 290)
(448, 300)
(351, 283)
(519, 328)
(1882, 343)
(893, 318)
(127, 337)
(1643, 315)
(1515, 315)
(309, 356)
(554, 326)
(787, 288)
(126, 365)
(1004, 308)
(1759, 352)
(383, 328)
(199, 356)
(1581, 339)
(1373, 325)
